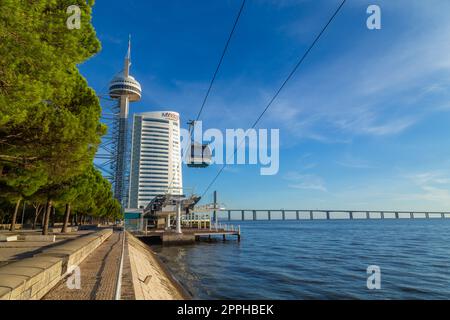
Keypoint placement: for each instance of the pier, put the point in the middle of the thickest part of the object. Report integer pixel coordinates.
(269, 215)
(189, 234)
(175, 219)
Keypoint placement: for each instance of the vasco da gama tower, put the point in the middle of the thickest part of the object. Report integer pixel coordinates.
(125, 89)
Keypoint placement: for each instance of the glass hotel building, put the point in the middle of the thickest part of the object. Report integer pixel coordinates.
(155, 157)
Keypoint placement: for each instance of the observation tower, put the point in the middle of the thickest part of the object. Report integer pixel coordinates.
(125, 89)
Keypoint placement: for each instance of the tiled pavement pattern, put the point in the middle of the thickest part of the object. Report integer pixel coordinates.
(98, 274)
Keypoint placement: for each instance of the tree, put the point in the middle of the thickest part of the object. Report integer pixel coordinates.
(36, 52)
(49, 117)
(38, 209)
(15, 195)
(38, 59)
(73, 191)
(97, 200)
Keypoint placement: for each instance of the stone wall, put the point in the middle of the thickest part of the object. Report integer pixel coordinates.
(32, 278)
(151, 280)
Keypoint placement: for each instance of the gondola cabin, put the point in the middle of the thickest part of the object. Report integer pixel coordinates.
(200, 156)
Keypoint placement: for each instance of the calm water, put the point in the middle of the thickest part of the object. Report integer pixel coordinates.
(319, 260)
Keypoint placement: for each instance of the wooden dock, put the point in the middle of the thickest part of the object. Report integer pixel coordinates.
(187, 235)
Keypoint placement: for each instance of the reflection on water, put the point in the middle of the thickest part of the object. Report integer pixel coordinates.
(319, 260)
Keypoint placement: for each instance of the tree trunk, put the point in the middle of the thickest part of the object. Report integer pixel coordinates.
(36, 215)
(53, 217)
(66, 218)
(14, 217)
(48, 212)
(43, 216)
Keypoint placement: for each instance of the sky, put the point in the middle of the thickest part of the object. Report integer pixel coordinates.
(364, 123)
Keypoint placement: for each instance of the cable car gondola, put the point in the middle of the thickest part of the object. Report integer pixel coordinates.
(200, 155)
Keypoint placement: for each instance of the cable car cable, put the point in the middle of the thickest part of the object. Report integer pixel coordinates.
(225, 49)
(281, 88)
(221, 60)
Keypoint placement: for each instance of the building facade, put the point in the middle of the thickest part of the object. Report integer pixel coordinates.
(155, 157)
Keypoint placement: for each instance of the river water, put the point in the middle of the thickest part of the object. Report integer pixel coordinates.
(319, 260)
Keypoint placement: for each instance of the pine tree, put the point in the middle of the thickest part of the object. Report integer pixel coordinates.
(49, 117)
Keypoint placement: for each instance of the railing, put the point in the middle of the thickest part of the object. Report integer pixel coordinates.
(227, 228)
(203, 222)
(255, 215)
(196, 221)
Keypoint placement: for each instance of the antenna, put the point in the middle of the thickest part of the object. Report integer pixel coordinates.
(129, 48)
(126, 68)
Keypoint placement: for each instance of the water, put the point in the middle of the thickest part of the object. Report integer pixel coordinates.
(319, 260)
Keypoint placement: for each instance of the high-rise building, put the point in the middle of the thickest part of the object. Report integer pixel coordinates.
(155, 157)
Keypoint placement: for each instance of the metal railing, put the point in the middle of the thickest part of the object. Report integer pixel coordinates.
(204, 222)
(227, 228)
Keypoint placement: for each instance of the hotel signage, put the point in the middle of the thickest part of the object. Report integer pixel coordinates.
(170, 116)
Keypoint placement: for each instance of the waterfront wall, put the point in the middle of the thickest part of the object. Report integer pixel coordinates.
(151, 279)
(32, 278)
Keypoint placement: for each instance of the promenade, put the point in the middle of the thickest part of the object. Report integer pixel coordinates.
(39, 270)
(98, 272)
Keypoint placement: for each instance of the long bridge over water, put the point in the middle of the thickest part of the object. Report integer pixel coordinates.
(256, 215)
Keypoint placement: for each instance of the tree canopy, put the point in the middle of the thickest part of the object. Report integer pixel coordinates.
(50, 125)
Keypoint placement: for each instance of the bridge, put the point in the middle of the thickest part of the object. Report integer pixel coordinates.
(264, 215)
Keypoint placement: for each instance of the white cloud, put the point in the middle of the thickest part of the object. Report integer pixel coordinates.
(434, 189)
(374, 88)
(305, 181)
(426, 178)
(350, 161)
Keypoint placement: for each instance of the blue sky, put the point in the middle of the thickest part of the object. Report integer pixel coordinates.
(364, 124)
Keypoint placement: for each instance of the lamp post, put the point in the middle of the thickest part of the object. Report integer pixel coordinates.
(216, 218)
(178, 228)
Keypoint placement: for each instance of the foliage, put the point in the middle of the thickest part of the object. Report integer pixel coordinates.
(49, 117)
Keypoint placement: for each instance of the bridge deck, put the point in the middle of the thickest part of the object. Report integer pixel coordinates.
(242, 215)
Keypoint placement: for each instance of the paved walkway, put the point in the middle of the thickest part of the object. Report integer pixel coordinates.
(98, 274)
